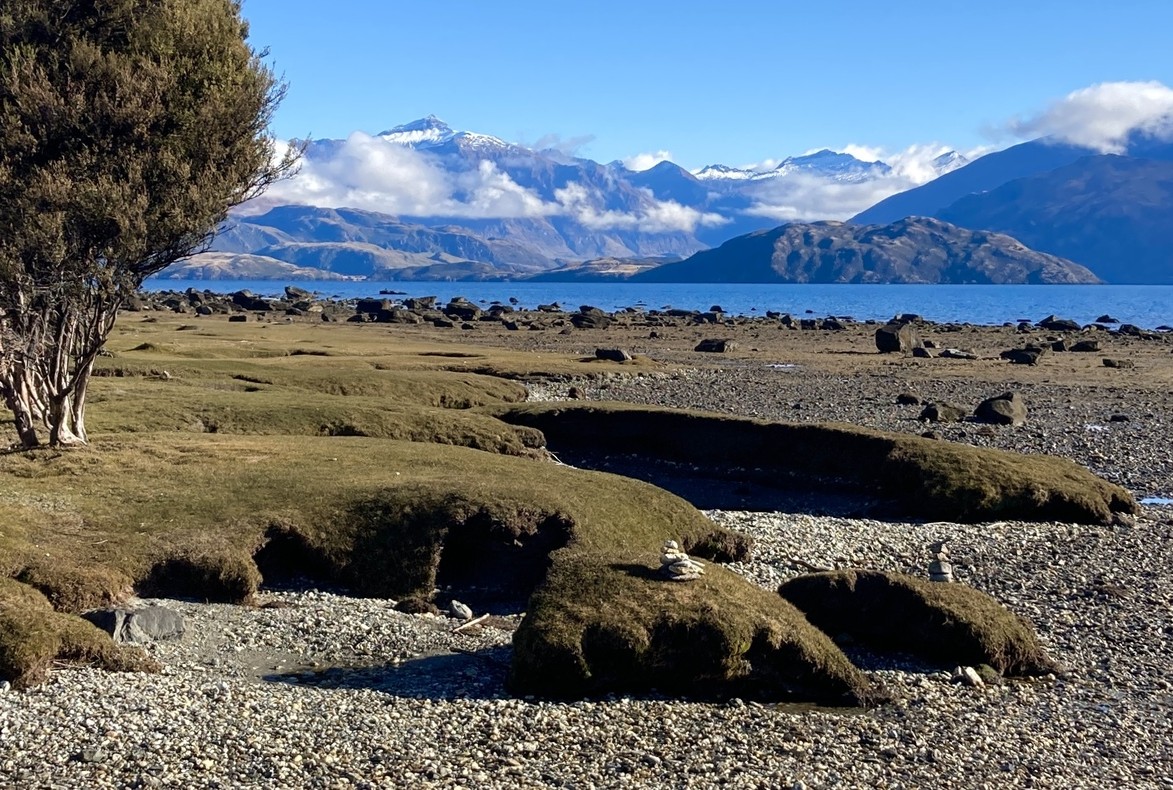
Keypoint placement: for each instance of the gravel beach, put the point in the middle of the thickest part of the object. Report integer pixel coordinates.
(317, 689)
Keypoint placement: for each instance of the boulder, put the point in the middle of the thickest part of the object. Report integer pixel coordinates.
(295, 294)
(715, 346)
(593, 320)
(957, 353)
(942, 412)
(1107, 319)
(372, 306)
(1086, 346)
(141, 624)
(250, 301)
(1009, 408)
(908, 399)
(419, 303)
(1023, 356)
(949, 624)
(1056, 324)
(1119, 363)
(612, 354)
(897, 338)
(463, 310)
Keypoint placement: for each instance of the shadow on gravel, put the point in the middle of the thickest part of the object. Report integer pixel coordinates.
(442, 676)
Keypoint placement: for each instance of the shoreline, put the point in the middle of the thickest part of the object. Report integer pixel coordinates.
(399, 700)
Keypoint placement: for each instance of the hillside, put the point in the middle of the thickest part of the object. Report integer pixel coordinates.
(914, 250)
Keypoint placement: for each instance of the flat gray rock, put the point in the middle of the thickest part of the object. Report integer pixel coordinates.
(146, 624)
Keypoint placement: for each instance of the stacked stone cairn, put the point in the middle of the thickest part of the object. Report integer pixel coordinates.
(940, 569)
(677, 566)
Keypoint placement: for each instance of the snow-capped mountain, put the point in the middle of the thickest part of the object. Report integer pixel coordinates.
(827, 164)
(425, 188)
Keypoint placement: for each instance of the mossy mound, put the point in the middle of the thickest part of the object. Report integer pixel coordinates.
(602, 624)
(33, 635)
(945, 623)
(371, 513)
(917, 477)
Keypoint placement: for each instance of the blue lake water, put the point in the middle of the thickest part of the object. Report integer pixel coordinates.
(1147, 306)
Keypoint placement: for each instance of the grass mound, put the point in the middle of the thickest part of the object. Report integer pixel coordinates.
(946, 623)
(920, 477)
(33, 635)
(603, 623)
(369, 512)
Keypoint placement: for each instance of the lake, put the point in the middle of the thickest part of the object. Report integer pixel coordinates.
(1147, 306)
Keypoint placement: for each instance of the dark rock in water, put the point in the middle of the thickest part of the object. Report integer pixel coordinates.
(716, 309)
(1056, 324)
(148, 624)
(1008, 408)
(1084, 346)
(948, 623)
(1107, 319)
(942, 412)
(612, 354)
(908, 399)
(1119, 363)
(715, 346)
(897, 338)
(907, 318)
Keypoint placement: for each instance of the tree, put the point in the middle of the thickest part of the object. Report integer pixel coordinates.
(128, 128)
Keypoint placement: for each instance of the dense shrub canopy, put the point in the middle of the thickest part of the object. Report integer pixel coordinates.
(128, 128)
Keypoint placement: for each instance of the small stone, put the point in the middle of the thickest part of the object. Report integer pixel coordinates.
(459, 610)
(92, 754)
(969, 676)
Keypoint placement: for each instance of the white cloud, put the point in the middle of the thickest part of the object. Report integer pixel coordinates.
(1102, 116)
(371, 173)
(641, 162)
(804, 197)
(655, 216)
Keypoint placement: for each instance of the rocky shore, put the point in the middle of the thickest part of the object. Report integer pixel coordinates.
(313, 688)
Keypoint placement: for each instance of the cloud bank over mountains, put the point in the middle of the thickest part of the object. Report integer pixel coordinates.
(1104, 116)
(425, 170)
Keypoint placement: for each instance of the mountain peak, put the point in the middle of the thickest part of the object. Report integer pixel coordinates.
(423, 130)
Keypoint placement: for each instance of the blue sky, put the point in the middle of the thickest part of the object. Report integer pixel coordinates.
(733, 82)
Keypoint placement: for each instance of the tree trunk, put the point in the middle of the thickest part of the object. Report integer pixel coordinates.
(44, 382)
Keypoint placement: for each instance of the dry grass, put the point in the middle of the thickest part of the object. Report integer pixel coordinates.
(947, 623)
(921, 478)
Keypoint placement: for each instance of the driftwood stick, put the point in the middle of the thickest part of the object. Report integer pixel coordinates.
(470, 623)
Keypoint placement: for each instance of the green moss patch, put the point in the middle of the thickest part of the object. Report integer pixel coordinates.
(920, 478)
(608, 623)
(33, 635)
(945, 623)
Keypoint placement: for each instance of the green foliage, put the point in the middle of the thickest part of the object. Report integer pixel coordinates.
(128, 128)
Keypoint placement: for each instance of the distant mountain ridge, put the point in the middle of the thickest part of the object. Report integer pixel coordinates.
(912, 250)
(1111, 213)
(559, 208)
